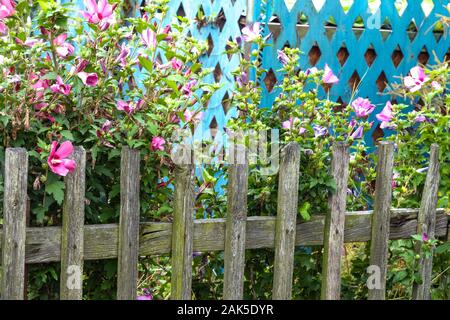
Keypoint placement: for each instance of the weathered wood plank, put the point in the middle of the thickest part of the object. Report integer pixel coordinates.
(72, 231)
(426, 224)
(14, 224)
(287, 208)
(182, 233)
(127, 268)
(101, 241)
(233, 286)
(379, 243)
(335, 224)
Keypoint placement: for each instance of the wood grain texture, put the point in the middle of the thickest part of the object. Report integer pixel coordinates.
(183, 233)
(426, 224)
(236, 220)
(101, 241)
(127, 268)
(379, 243)
(72, 230)
(287, 208)
(14, 224)
(335, 224)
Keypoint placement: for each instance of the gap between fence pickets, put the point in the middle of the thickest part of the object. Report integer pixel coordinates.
(101, 241)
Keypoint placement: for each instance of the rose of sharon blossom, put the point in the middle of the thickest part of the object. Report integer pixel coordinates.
(416, 80)
(319, 131)
(189, 115)
(282, 57)
(148, 36)
(187, 88)
(146, 296)
(176, 64)
(63, 48)
(158, 143)
(129, 107)
(99, 13)
(57, 160)
(3, 28)
(123, 54)
(7, 8)
(420, 118)
(362, 107)
(436, 85)
(386, 116)
(60, 87)
(89, 79)
(251, 33)
(289, 125)
(329, 77)
(359, 133)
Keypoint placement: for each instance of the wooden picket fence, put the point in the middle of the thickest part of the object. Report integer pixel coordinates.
(74, 242)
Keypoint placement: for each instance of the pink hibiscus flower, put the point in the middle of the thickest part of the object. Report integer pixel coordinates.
(57, 160)
(7, 8)
(89, 79)
(100, 13)
(63, 48)
(60, 87)
(158, 143)
(385, 116)
(416, 80)
(329, 77)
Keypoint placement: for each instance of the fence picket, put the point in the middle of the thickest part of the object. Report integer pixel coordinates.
(334, 225)
(426, 223)
(127, 269)
(287, 208)
(381, 218)
(236, 226)
(182, 233)
(14, 224)
(72, 231)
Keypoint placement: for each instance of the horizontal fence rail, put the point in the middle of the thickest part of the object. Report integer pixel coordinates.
(74, 242)
(155, 238)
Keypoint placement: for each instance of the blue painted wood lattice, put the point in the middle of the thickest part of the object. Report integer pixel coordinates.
(367, 47)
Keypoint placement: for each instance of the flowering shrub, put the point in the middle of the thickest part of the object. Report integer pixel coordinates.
(97, 79)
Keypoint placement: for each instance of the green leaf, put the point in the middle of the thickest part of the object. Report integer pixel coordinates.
(45, 4)
(443, 248)
(304, 211)
(40, 214)
(400, 275)
(67, 135)
(56, 189)
(172, 84)
(147, 64)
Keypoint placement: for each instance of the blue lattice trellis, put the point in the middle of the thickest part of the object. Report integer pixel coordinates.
(370, 56)
(223, 26)
(358, 54)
